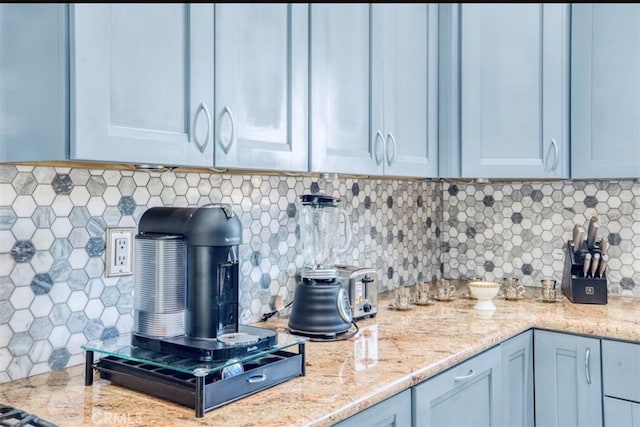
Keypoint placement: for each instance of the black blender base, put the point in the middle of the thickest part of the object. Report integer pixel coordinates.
(207, 350)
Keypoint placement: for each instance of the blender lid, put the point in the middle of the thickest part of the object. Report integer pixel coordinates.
(319, 200)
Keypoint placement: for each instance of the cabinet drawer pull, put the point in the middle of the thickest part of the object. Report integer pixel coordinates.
(256, 379)
(556, 152)
(470, 375)
(226, 147)
(377, 147)
(202, 107)
(394, 146)
(587, 362)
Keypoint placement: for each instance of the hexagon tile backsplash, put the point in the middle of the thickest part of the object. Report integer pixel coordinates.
(54, 298)
(520, 229)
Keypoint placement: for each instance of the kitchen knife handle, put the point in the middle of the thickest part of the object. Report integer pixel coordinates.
(587, 363)
(578, 236)
(603, 265)
(592, 234)
(557, 154)
(587, 264)
(595, 261)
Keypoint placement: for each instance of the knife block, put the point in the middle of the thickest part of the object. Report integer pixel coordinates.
(576, 287)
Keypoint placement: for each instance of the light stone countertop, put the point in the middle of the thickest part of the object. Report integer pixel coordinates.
(342, 378)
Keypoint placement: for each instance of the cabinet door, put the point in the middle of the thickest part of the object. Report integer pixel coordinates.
(605, 91)
(261, 83)
(393, 412)
(621, 413)
(567, 380)
(33, 82)
(340, 96)
(621, 370)
(465, 395)
(514, 90)
(404, 93)
(517, 380)
(141, 83)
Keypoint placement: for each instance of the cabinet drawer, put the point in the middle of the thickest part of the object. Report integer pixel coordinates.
(621, 413)
(465, 395)
(621, 370)
(393, 412)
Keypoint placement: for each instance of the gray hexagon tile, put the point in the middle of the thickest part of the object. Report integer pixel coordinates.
(54, 220)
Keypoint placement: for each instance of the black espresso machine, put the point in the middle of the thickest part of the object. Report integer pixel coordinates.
(186, 285)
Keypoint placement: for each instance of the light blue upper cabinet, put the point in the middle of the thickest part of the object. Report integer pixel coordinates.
(373, 89)
(33, 82)
(605, 91)
(404, 97)
(568, 380)
(261, 84)
(141, 83)
(513, 110)
(340, 98)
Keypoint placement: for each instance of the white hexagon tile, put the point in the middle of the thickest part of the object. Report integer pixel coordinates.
(520, 229)
(53, 293)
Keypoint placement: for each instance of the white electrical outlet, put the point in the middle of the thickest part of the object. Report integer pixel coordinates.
(119, 258)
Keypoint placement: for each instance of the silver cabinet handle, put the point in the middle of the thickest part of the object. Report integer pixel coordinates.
(202, 107)
(587, 362)
(256, 379)
(226, 147)
(376, 147)
(557, 154)
(395, 148)
(470, 375)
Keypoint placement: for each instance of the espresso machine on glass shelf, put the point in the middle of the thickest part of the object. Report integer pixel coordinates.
(186, 285)
(321, 307)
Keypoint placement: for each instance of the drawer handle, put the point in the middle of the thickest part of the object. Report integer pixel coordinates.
(470, 375)
(257, 379)
(587, 360)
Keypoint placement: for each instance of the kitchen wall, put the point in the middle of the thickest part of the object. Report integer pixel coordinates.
(53, 296)
(520, 229)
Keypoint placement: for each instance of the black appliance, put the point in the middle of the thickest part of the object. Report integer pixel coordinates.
(10, 416)
(321, 308)
(198, 246)
(187, 344)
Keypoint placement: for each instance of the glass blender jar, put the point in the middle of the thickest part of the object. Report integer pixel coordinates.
(321, 307)
(319, 219)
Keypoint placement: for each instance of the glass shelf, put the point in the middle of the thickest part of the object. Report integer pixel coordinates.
(121, 347)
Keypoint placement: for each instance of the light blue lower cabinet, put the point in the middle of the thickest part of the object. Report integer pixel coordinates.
(393, 412)
(469, 394)
(621, 383)
(568, 381)
(621, 413)
(517, 380)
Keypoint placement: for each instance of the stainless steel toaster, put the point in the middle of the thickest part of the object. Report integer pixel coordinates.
(361, 283)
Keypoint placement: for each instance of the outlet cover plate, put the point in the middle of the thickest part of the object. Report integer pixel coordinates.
(112, 267)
